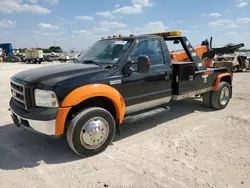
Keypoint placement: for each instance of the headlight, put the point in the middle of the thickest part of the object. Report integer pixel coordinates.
(44, 98)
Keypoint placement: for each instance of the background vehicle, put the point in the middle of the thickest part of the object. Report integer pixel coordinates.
(234, 62)
(33, 56)
(7, 54)
(117, 80)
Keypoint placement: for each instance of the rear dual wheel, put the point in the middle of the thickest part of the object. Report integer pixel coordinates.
(218, 99)
(91, 131)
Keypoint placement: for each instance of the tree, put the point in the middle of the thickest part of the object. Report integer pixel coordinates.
(56, 49)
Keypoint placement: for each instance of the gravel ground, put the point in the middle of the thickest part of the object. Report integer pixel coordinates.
(191, 146)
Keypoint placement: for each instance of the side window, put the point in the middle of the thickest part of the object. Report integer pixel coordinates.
(150, 48)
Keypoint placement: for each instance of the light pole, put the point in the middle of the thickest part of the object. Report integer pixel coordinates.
(69, 39)
(55, 42)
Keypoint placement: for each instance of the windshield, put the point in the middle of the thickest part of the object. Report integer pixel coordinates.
(106, 51)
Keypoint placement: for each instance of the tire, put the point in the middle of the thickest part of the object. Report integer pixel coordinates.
(215, 97)
(76, 131)
(206, 98)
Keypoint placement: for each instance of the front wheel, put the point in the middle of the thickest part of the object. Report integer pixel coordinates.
(91, 131)
(220, 98)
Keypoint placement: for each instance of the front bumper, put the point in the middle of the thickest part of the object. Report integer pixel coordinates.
(40, 120)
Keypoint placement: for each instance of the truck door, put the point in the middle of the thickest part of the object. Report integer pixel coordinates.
(148, 89)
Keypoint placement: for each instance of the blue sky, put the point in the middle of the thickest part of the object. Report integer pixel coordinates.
(78, 23)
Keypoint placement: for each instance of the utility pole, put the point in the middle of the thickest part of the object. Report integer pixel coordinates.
(55, 42)
(69, 40)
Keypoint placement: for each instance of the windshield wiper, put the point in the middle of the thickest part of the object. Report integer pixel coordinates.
(76, 60)
(92, 62)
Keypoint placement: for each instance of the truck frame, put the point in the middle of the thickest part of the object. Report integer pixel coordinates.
(120, 79)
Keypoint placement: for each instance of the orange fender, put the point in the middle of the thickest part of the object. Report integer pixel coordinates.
(218, 80)
(85, 92)
(61, 119)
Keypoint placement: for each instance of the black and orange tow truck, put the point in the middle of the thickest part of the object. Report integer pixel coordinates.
(118, 79)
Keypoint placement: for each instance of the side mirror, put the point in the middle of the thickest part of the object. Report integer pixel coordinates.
(143, 64)
(176, 42)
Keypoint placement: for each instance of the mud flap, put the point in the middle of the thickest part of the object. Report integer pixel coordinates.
(231, 93)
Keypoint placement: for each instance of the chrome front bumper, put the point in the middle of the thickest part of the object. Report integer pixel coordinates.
(43, 127)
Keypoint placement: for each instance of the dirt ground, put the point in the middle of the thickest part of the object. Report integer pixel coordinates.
(190, 146)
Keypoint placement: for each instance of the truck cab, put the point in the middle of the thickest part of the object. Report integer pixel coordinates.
(118, 79)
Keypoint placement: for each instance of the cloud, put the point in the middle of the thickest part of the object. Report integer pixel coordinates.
(204, 14)
(155, 27)
(48, 33)
(245, 20)
(144, 3)
(47, 26)
(80, 31)
(226, 23)
(117, 5)
(215, 14)
(247, 34)
(52, 2)
(232, 33)
(7, 23)
(86, 18)
(232, 25)
(242, 4)
(136, 8)
(12, 6)
(112, 25)
(98, 29)
(124, 32)
(105, 14)
(152, 27)
(220, 23)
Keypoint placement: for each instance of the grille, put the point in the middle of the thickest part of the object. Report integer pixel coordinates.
(18, 94)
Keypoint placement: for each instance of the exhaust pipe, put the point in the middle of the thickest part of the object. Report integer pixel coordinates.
(210, 44)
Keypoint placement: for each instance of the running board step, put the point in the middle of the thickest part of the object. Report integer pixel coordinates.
(145, 114)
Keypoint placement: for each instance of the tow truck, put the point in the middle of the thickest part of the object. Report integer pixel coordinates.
(119, 79)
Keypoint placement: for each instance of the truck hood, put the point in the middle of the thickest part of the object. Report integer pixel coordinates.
(48, 76)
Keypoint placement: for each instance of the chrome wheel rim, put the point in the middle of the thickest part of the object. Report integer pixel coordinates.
(94, 133)
(224, 96)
